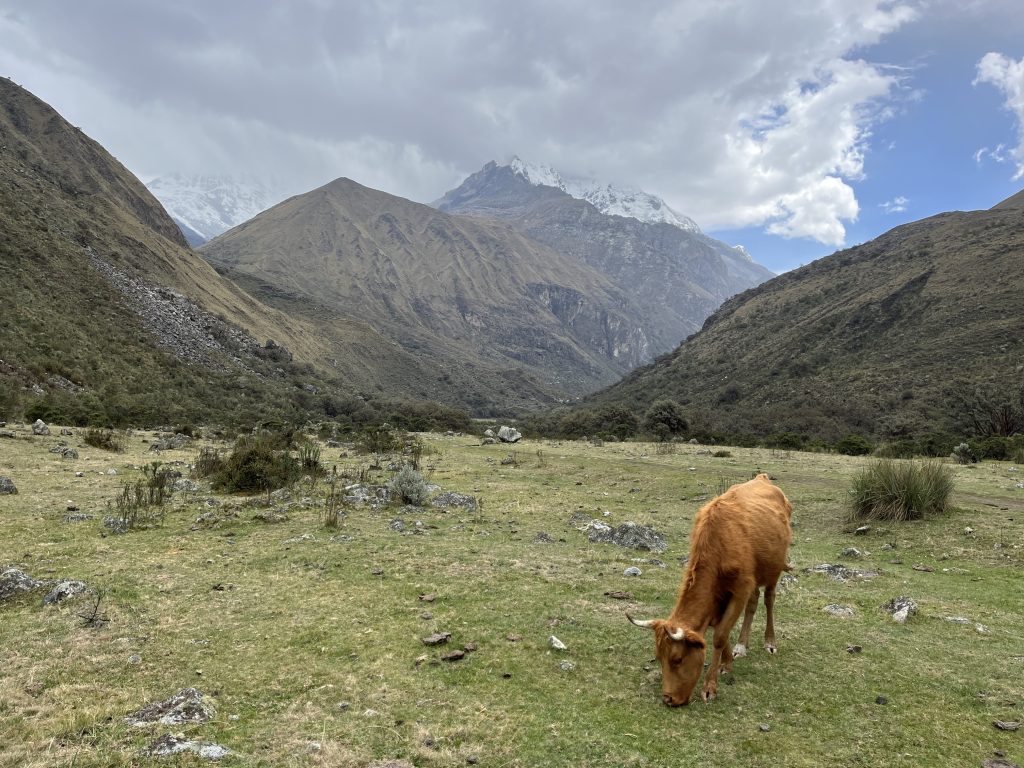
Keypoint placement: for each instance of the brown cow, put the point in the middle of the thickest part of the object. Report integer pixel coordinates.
(739, 543)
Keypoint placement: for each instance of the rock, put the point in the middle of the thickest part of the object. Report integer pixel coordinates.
(901, 608)
(557, 644)
(567, 666)
(543, 538)
(839, 611)
(438, 638)
(862, 530)
(617, 594)
(488, 441)
(398, 524)
(14, 582)
(956, 619)
(632, 571)
(840, 572)
(7, 486)
(78, 517)
(764, 727)
(881, 700)
(631, 535)
(40, 428)
(134, 659)
(271, 516)
(64, 591)
(455, 655)
(509, 435)
(184, 485)
(6, 433)
(65, 432)
(981, 629)
(174, 443)
(186, 706)
(390, 763)
(923, 568)
(173, 744)
(997, 762)
(854, 649)
(851, 552)
(452, 499)
(1006, 725)
(489, 432)
(116, 525)
(427, 597)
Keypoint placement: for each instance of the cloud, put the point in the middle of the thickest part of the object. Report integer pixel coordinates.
(1008, 76)
(896, 205)
(752, 115)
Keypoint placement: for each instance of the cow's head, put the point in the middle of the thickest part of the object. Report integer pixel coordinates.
(681, 653)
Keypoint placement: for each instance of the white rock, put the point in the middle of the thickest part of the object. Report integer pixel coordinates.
(557, 644)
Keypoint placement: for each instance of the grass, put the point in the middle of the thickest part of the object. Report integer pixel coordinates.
(901, 490)
(301, 626)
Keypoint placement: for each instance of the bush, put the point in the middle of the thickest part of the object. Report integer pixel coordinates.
(256, 465)
(788, 441)
(900, 490)
(380, 439)
(408, 486)
(104, 439)
(665, 419)
(854, 445)
(309, 459)
(964, 454)
(208, 463)
(722, 454)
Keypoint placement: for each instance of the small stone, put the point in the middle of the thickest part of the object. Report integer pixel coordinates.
(1006, 725)
(343, 706)
(456, 655)
(862, 530)
(851, 552)
(923, 568)
(968, 531)
(7, 486)
(557, 644)
(377, 572)
(438, 638)
(472, 760)
(111, 472)
(901, 608)
(426, 615)
(854, 649)
(135, 659)
(764, 727)
(314, 746)
(513, 638)
(616, 594)
(839, 611)
(567, 666)
(470, 647)
(632, 571)
(981, 629)
(881, 700)
(428, 598)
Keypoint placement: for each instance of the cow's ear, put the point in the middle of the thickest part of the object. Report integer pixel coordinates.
(693, 639)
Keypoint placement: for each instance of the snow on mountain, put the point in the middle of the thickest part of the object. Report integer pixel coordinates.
(211, 205)
(609, 199)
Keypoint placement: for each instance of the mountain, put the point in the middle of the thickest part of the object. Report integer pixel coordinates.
(108, 317)
(672, 271)
(501, 321)
(910, 333)
(204, 206)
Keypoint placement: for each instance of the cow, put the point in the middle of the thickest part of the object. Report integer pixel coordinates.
(739, 544)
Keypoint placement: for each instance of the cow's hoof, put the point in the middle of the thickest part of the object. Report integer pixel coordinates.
(739, 651)
(770, 647)
(708, 696)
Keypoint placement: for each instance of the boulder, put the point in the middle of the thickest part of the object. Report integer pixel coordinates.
(509, 435)
(40, 428)
(174, 443)
(64, 590)
(186, 706)
(631, 535)
(451, 499)
(14, 582)
(173, 744)
(7, 486)
(901, 608)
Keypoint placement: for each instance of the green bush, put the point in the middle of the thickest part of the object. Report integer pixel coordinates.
(789, 441)
(964, 454)
(380, 439)
(408, 486)
(104, 439)
(854, 445)
(208, 463)
(900, 490)
(256, 464)
(665, 419)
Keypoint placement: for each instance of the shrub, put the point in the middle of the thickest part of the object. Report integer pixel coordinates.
(141, 504)
(900, 490)
(854, 445)
(788, 441)
(380, 439)
(722, 454)
(964, 454)
(208, 463)
(104, 439)
(664, 419)
(309, 459)
(408, 486)
(256, 465)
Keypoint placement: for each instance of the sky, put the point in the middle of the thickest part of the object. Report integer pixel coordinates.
(794, 129)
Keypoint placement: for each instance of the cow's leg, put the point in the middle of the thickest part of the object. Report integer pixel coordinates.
(722, 651)
(769, 609)
(740, 649)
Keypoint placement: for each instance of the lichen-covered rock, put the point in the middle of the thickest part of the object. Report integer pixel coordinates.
(631, 535)
(40, 428)
(175, 743)
(186, 706)
(65, 451)
(14, 582)
(839, 572)
(64, 591)
(509, 435)
(451, 499)
(901, 608)
(839, 611)
(7, 486)
(174, 443)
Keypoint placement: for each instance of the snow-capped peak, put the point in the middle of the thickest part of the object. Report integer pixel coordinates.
(607, 198)
(210, 205)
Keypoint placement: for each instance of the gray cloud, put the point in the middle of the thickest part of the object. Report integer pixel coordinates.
(737, 113)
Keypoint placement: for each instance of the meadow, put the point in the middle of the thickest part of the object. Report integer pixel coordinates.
(307, 639)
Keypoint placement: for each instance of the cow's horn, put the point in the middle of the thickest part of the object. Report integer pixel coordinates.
(646, 623)
(677, 634)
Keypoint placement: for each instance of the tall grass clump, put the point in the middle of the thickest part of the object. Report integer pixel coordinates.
(257, 464)
(104, 439)
(900, 490)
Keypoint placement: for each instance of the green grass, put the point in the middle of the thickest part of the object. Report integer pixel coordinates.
(302, 626)
(901, 490)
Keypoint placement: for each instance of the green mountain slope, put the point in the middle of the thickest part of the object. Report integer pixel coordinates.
(902, 335)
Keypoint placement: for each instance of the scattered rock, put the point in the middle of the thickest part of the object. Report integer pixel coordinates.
(184, 485)
(854, 649)
(923, 568)
(956, 619)
(271, 516)
(398, 524)
(7, 486)
(452, 499)
(65, 451)
(764, 727)
(851, 552)
(14, 582)
(1006, 725)
(617, 594)
(174, 443)
(631, 535)
(455, 655)
(997, 762)
(839, 611)
(543, 538)
(428, 597)
(134, 659)
(390, 763)
(632, 571)
(840, 572)
(116, 525)
(438, 638)
(881, 700)
(981, 629)
(40, 428)
(508, 435)
(557, 644)
(298, 539)
(567, 666)
(186, 706)
(862, 530)
(173, 744)
(64, 591)
(488, 441)
(901, 608)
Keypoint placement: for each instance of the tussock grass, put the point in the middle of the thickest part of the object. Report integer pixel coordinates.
(900, 490)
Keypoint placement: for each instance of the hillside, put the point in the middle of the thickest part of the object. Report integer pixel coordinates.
(906, 334)
(108, 316)
(488, 318)
(674, 273)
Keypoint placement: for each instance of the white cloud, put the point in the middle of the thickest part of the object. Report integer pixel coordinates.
(1008, 76)
(896, 205)
(757, 114)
